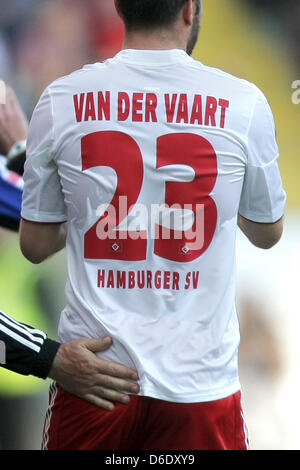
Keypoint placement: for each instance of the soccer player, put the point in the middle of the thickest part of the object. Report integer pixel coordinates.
(147, 163)
(25, 349)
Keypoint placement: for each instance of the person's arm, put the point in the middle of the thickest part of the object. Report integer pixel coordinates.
(38, 241)
(261, 235)
(24, 349)
(13, 132)
(74, 365)
(79, 371)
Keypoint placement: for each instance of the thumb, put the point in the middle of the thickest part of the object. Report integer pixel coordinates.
(98, 345)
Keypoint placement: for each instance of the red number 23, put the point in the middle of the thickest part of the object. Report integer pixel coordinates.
(121, 152)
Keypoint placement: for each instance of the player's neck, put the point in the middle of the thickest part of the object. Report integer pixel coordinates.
(158, 40)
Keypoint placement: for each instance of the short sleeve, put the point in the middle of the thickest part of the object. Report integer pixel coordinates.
(43, 199)
(263, 198)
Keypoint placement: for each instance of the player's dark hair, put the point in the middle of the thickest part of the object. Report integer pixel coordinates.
(148, 14)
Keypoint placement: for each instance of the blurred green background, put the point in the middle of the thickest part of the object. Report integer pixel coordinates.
(41, 40)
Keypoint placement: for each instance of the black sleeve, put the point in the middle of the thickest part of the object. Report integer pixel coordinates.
(24, 349)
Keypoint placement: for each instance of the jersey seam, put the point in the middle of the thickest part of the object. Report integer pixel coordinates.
(265, 165)
(271, 121)
(39, 215)
(196, 65)
(250, 123)
(254, 217)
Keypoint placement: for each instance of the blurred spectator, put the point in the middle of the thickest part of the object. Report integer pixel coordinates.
(46, 39)
(106, 29)
(54, 45)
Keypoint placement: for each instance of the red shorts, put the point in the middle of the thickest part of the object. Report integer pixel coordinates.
(144, 424)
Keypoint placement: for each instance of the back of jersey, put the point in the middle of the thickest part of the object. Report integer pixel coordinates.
(150, 156)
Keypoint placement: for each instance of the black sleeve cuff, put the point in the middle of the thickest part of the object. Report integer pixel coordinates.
(44, 360)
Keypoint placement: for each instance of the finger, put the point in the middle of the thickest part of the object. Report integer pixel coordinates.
(111, 368)
(6, 108)
(8, 101)
(97, 345)
(111, 395)
(2, 109)
(114, 369)
(11, 98)
(99, 402)
(6, 94)
(117, 384)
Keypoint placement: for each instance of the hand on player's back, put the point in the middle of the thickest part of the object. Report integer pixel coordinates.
(13, 122)
(78, 370)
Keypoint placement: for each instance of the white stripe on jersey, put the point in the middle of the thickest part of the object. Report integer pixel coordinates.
(52, 393)
(245, 431)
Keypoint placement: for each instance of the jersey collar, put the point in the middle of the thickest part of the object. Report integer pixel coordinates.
(153, 57)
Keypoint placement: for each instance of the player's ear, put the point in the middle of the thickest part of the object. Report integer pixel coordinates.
(188, 12)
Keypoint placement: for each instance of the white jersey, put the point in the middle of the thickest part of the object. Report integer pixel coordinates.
(160, 153)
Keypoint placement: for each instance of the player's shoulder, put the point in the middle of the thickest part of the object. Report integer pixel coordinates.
(226, 77)
(76, 77)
